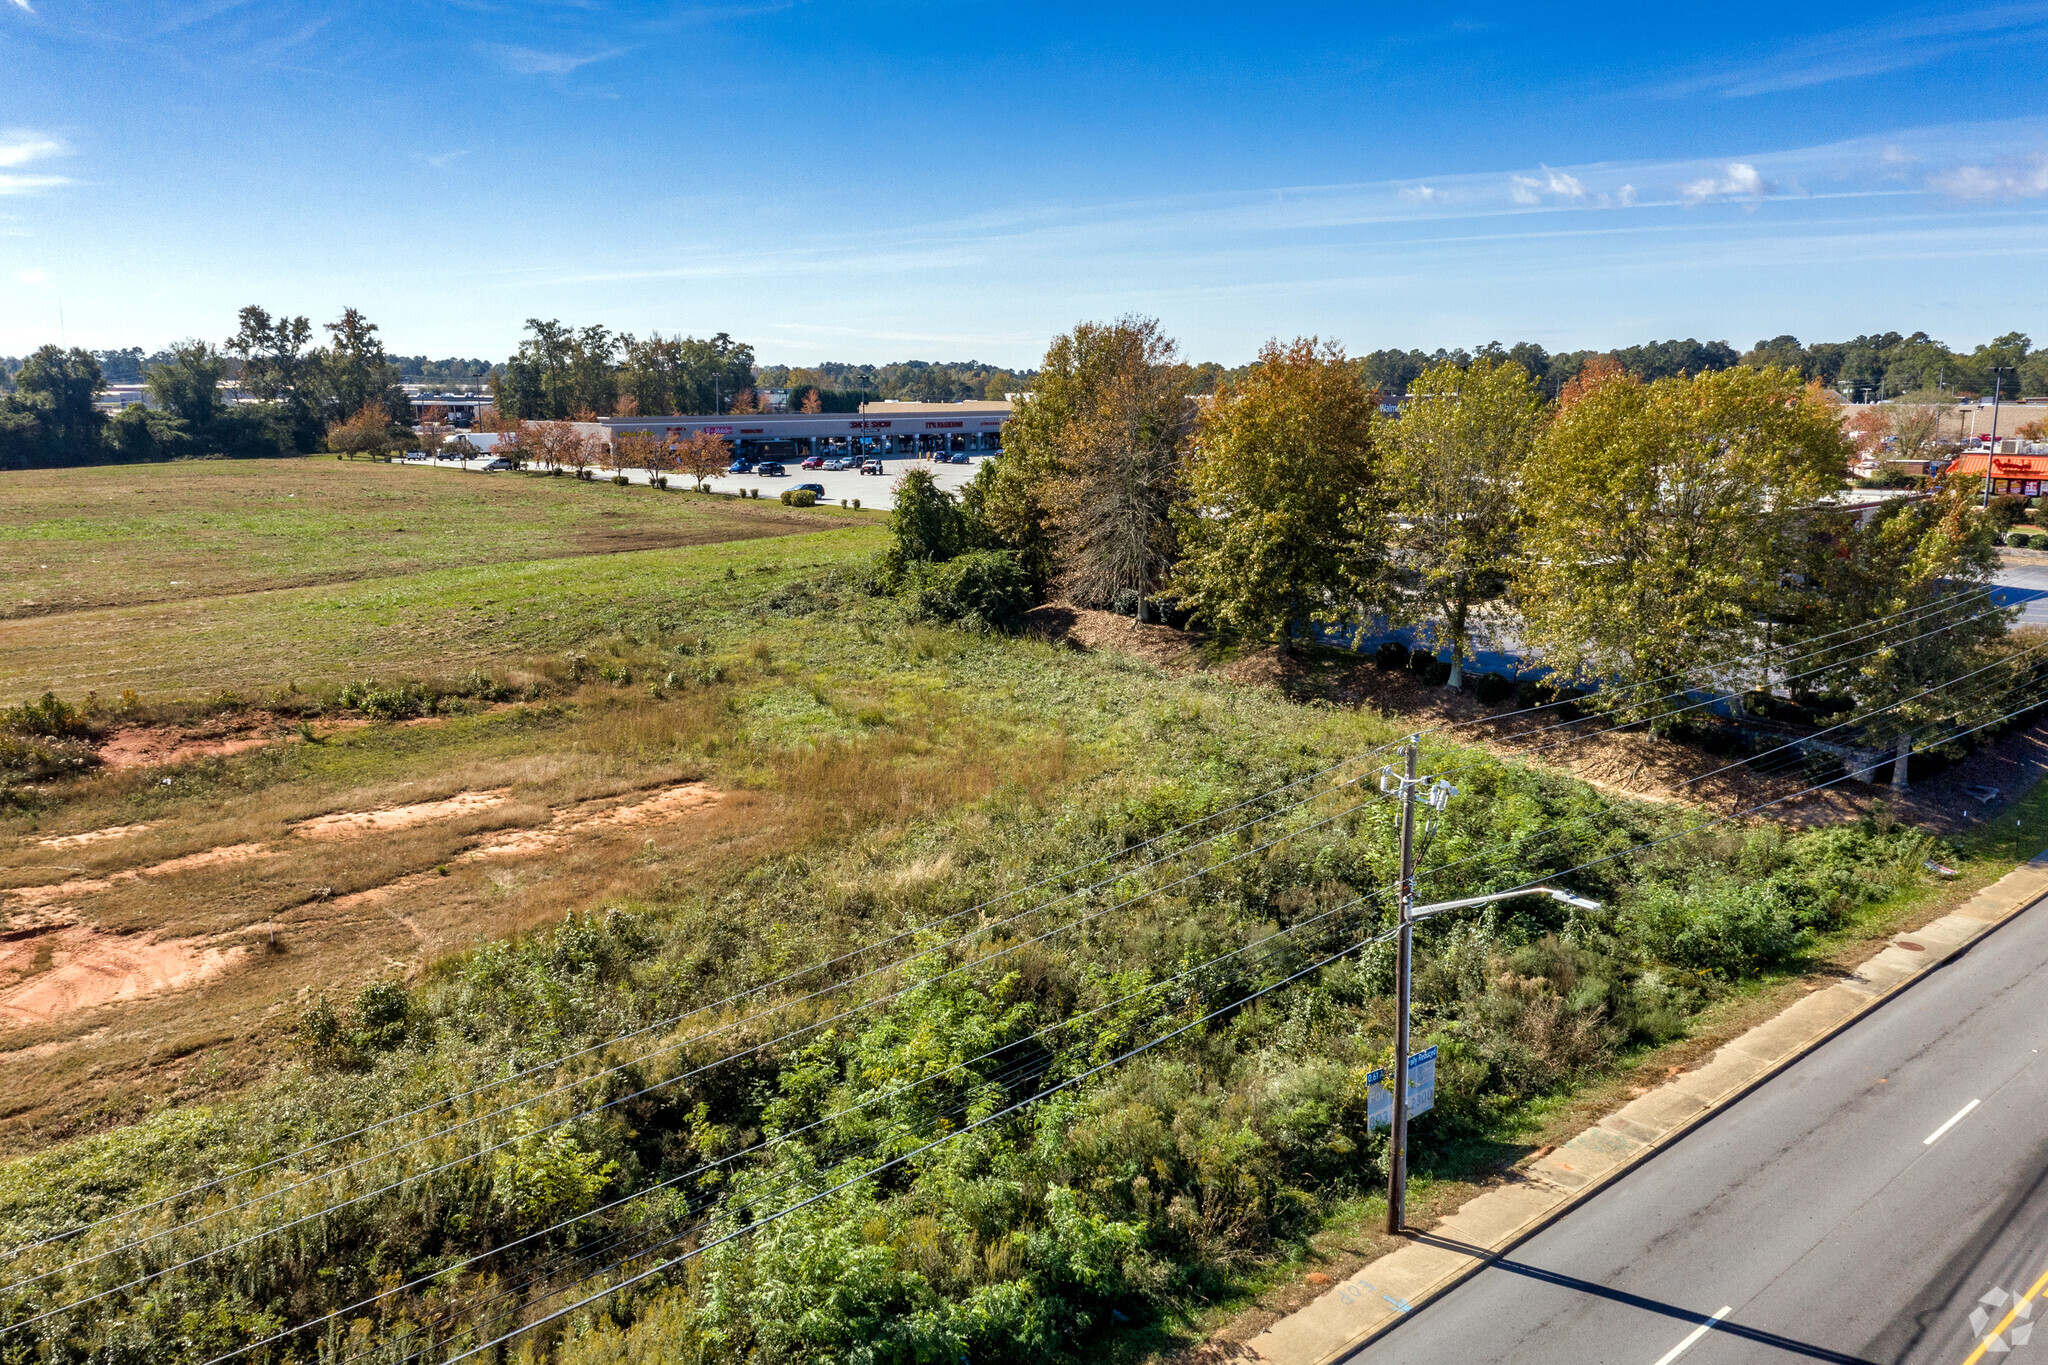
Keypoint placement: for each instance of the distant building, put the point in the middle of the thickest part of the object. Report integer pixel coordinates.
(2024, 476)
(878, 429)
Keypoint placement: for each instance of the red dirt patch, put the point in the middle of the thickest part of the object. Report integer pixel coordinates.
(661, 806)
(355, 824)
(45, 897)
(92, 836)
(73, 968)
(155, 746)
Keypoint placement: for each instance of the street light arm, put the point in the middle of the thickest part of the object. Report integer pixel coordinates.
(1423, 912)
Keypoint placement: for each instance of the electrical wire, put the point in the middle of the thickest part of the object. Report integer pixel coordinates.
(608, 1104)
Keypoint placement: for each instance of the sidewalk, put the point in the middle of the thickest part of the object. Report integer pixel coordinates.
(1368, 1303)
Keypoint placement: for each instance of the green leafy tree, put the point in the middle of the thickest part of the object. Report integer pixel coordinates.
(187, 383)
(276, 368)
(1285, 518)
(1453, 467)
(356, 373)
(1665, 517)
(925, 527)
(49, 420)
(1928, 559)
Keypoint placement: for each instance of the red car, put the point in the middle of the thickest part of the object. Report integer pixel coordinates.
(814, 462)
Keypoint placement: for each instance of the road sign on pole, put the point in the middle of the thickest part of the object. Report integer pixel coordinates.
(1379, 1098)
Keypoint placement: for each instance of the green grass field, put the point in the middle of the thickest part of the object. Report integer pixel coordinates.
(194, 578)
(72, 539)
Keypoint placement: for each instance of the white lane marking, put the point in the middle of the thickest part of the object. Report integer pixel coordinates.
(1697, 1332)
(1961, 1114)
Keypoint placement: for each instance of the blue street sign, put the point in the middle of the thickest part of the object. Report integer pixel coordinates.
(1379, 1099)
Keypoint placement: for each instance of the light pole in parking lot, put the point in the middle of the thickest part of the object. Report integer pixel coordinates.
(1437, 793)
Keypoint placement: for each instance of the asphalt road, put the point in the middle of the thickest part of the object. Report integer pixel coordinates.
(2026, 584)
(1816, 1211)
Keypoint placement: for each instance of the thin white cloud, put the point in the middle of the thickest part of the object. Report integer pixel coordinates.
(1868, 49)
(1738, 180)
(18, 148)
(24, 6)
(1566, 186)
(38, 276)
(1422, 194)
(442, 160)
(533, 61)
(1530, 190)
(2001, 183)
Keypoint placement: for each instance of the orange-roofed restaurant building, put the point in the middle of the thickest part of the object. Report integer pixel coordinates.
(2024, 475)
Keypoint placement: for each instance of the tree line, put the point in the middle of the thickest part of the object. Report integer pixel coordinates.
(1621, 532)
(304, 391)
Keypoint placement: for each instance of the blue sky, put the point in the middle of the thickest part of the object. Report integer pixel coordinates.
(880, 181)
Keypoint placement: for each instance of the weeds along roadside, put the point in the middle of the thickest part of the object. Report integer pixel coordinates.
(332, 1232)
(486, 1116)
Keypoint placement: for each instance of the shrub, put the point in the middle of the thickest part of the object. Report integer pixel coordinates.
(620, 480)
(2008, 511)
(48, 716)
(1391, 654)
(1723, 925)
(395, 701)
(1491, 689)
(986, 588)
(1436, 672)
(799, 497)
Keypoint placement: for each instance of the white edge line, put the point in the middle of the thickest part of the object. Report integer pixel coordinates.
(1697, 1332)
(1932, 1137)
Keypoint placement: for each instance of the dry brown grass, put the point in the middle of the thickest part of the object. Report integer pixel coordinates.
(298, 917)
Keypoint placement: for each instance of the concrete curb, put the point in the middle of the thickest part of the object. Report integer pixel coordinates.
(1375, 1299)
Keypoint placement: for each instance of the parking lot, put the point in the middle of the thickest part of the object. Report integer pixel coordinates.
(840, 485)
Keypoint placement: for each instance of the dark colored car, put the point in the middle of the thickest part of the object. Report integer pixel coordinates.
(768, 469)
(500, 465)
(740, 466)
(817, 488)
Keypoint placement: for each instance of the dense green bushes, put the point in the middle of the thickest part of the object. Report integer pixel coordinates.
(1128, 1198)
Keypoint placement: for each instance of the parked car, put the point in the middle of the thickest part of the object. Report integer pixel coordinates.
(417, 457)
(500, 465)
(871, 467)
(813, 462)
(961, 458)
(740, 466)
(768, 469)
(841, 462)
(817, 488)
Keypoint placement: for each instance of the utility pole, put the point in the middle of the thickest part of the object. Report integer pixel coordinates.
(1397, 1074)
(1998, 374)
(1438, 794)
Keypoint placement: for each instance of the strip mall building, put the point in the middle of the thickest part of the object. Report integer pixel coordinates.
(878, 429)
